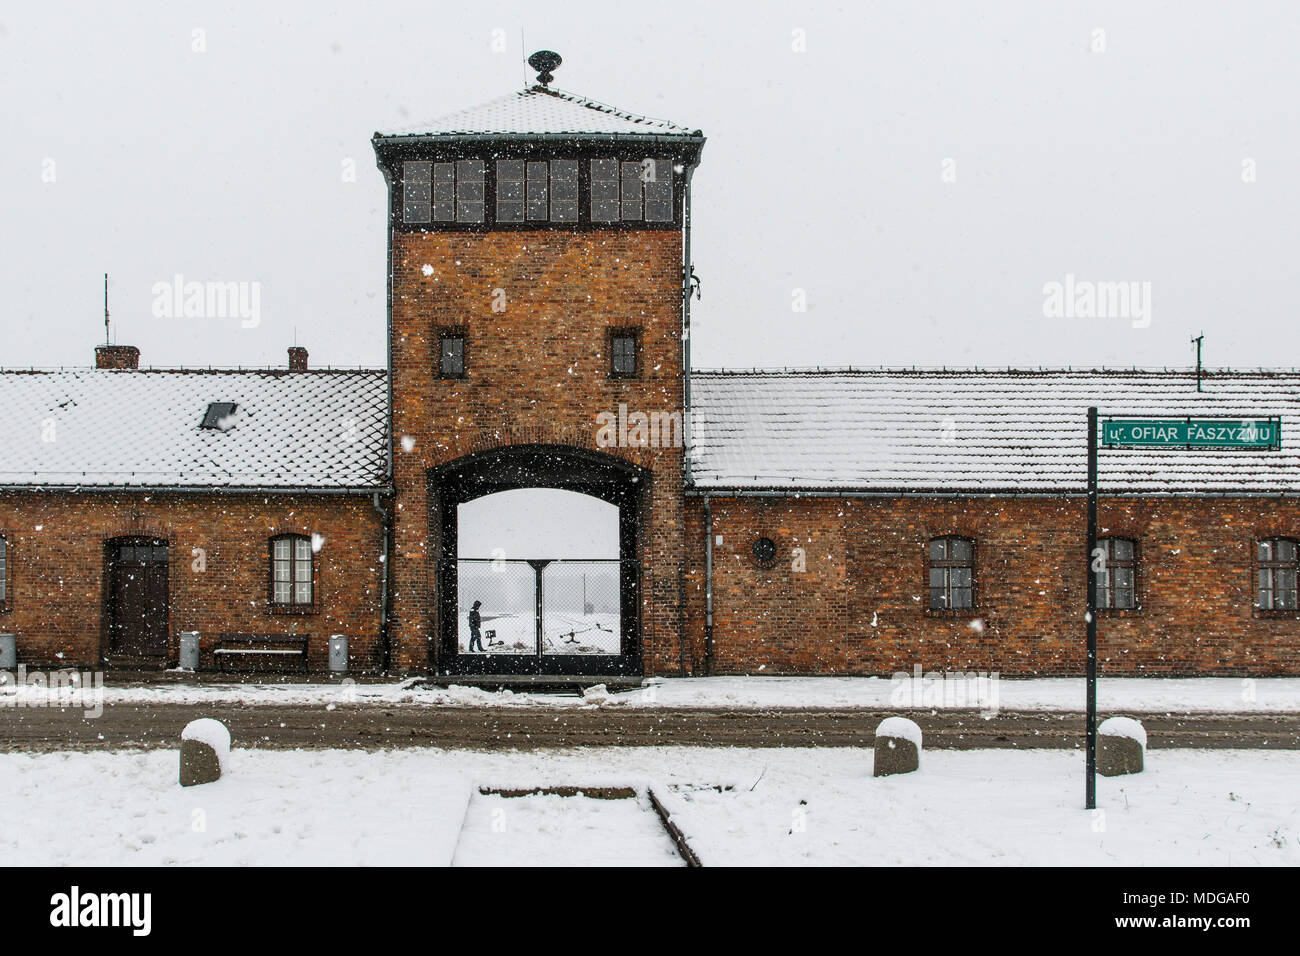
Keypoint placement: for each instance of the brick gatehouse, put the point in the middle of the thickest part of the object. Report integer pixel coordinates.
(776, 522)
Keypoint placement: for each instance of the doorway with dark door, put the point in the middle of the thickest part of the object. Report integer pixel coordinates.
(137, 598)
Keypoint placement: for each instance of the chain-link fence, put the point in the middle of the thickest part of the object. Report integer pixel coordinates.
(516, 606)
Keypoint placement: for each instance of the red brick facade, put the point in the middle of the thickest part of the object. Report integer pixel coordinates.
(861, 605)
(57, 564)
(535, 307)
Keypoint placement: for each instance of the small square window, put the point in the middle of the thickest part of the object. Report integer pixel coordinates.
(451, 354)
(623, 353)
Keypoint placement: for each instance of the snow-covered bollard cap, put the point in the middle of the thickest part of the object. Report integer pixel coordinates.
(205, 751)
(898, 747)
(1121, 746)
(1123, 727)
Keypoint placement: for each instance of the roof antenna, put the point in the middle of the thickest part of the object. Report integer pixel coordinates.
(544, 61)
(1198, 339)
(106, 342)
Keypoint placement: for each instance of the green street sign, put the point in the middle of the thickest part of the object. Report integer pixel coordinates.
(1265, 433)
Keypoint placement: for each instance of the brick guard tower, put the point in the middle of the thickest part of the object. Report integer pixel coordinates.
(538, 254)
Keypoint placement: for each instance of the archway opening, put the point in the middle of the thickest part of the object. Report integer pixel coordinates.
(537, 562)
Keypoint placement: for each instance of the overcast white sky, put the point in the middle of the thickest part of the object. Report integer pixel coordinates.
(822, 171)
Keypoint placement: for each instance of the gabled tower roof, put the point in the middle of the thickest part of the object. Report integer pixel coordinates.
(540, 112)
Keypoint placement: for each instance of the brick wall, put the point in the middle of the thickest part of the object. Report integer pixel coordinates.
(536, 374)
(861, 605)
(57, 569)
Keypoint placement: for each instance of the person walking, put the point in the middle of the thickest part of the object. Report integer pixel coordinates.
(475, 623)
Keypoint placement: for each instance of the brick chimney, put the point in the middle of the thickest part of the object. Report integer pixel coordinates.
(297, 359)
(117, 356)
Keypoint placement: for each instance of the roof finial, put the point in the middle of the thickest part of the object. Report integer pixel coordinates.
(544, 61)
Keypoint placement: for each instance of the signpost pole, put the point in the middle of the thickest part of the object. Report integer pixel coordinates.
(1091, 616)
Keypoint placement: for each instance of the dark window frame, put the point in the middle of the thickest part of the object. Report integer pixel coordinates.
(621, 332)
(760, 545)
(293, 606)
(948, 563)
(443, 333)
(1259, 565)
(394, 157)
(216, 413)
(1134, 564)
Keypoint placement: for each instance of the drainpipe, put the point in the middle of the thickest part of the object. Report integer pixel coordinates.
(385, 643)
(708, 586)
(686, 328)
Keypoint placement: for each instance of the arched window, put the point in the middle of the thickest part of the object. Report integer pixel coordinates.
(291, 570)
(1117, 573)
(952, 573)
(1276, 574)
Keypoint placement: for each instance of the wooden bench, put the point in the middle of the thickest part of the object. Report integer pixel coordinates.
(258, 650)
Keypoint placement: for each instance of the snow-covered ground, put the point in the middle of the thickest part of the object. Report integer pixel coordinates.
(1139, 695)
(795, 806)
(562, 633)
(563, 831)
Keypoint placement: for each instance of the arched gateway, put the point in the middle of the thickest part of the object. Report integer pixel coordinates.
(550, 609)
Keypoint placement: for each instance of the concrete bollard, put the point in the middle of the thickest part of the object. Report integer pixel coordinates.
(205, 751)
(898, 747)
(189, 650)
(1121, 746)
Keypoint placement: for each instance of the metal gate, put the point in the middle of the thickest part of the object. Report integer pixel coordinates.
(540, 615)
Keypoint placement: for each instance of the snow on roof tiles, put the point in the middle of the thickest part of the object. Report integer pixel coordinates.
(975, 431)
(540, 112)
(142, 428)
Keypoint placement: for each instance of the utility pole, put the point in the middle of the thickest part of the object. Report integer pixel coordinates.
(1198, 339)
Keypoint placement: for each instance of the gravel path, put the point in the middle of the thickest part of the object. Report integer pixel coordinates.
(373, 727)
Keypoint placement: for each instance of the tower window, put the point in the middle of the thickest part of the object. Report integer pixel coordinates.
(417, 192)
(537, 191)
(451, 353)
(622, 353)
(443, 192)
(631, 190)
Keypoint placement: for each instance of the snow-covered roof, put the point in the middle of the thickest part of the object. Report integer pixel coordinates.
(979, 431)
(539, 111)
(142, 428)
